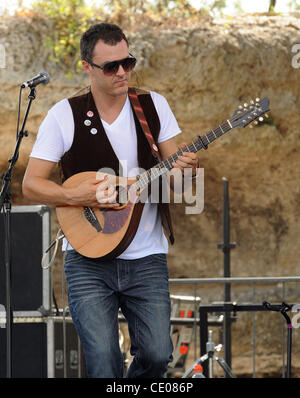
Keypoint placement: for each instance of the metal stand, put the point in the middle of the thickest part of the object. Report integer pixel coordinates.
(211, 357)
(5, 203)
(226, 246)
(283, 310)
(234, 307)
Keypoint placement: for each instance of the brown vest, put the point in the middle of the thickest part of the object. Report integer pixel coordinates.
(91, 152)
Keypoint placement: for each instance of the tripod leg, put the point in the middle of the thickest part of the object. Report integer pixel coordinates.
(289, 353)
(210, 367)
(199, 361)
(224, 366)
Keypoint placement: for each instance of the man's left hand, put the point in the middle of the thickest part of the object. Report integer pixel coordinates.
(186, 160)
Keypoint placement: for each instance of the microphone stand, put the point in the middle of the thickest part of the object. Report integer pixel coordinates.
(5, 203)
(226, 246)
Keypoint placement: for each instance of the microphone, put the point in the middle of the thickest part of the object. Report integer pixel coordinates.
(42, 77)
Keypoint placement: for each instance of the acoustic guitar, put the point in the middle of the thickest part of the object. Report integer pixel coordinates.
(106, 233)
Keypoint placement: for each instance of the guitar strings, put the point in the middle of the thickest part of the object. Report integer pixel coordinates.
(161, 168)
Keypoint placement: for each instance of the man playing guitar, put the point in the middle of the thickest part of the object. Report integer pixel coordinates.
(89, 132)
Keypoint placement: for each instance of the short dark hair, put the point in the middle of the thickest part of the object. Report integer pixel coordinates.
(109, 33)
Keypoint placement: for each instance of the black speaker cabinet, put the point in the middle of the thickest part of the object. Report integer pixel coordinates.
(67, 354)
(30, 237)
(30, 291)
(29, 348)
(43, 345)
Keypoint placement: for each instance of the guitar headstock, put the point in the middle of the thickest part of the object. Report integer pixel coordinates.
(250, 112)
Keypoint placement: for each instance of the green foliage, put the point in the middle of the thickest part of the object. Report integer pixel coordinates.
(127, 6)
(272, 5)
(294, 5)
(154, 8)
(238, 6)
(215, 7)
(69, 18)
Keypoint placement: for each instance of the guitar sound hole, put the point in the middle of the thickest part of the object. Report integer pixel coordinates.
(122, 195)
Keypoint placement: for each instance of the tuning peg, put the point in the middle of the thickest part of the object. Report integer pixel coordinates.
(260, 118)
(257, 99)
(240, 107)
(255, 122)
(245, 105)
(251, 102)
(266, 115)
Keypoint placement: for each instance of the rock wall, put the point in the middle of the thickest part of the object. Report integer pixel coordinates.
(205, 71)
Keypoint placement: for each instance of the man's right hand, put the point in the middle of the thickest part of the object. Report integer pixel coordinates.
(38, 187)
(94, 193)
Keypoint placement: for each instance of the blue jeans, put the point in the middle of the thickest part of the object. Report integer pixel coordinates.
(97, 289)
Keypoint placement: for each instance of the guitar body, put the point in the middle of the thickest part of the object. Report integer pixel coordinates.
(111, 232)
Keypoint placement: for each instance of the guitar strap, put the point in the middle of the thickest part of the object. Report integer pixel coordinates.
(135, 102)
(138, 110)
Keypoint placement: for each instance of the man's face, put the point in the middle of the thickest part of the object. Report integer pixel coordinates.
(116, 84)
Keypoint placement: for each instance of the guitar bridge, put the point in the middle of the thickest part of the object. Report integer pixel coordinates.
(91, 218)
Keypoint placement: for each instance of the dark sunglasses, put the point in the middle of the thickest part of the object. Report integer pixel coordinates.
(111, 68)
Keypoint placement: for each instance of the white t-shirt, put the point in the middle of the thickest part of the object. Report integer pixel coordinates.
(55, 137)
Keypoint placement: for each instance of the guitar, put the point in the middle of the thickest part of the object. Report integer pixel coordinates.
(106, 233)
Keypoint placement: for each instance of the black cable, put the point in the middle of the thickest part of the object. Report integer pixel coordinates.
(55, 303)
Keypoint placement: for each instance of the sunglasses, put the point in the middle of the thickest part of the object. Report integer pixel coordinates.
(111, 68)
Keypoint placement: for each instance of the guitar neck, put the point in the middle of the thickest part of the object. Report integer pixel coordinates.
(201, 142)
